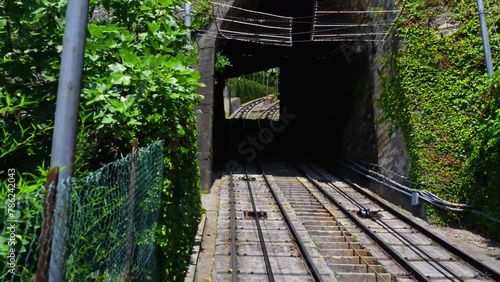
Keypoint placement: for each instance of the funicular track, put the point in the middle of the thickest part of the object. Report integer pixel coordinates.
(282, 253)
(272, 112)
(244, 111)
(300, 223)
(261, 108)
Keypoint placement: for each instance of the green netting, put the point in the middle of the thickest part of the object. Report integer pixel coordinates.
(112, 211)
(113, 216)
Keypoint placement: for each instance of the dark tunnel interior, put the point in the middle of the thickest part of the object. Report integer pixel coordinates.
(325, 101)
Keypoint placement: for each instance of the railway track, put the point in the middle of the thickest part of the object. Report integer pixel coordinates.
(244, 111)
(260, 108)
(272, 112)
(284, 222)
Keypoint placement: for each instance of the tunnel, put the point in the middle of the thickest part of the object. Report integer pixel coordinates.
(328, 81)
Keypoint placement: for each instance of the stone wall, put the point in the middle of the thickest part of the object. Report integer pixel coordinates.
(391, 147)
(204, 111)
(392, 153)
(206, 46)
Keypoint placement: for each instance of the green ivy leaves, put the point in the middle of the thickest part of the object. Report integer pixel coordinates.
(447, 107)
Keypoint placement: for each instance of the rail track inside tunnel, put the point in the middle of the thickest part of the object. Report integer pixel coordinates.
(260, 108)
(283, 221)
(247, 108)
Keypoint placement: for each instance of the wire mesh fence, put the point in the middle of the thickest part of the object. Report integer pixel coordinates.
(112, 222)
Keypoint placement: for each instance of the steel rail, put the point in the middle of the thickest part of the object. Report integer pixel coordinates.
(343, 231)
(400, 236)
(481, 267)
(267, 113)
(245, 108)
(432, 261)
(302, 248)
(390, 251)
(255, 105)
(259, 230)
(272, 111)
(234, 260)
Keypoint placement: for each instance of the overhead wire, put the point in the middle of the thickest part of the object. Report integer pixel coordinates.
(336, 27)
(259, 31)
(257, 19)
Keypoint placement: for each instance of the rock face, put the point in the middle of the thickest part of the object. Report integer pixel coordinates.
(444, 22)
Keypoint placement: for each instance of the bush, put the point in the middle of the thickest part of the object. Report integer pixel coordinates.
(137, 83)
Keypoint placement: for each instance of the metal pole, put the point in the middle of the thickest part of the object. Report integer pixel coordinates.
(64, 136)
(187, 19)
(484, 34)
(267, 84)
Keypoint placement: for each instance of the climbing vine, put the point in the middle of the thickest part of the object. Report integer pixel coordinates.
(202, 13)
(447, 106)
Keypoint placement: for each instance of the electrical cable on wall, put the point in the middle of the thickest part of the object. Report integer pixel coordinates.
(425, 195)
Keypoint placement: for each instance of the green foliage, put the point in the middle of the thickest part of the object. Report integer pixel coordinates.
(448, 110)
(255, 85)
(202, 14)
(26, 89)
(221, 62)
(28, 212)
(249, 90)
(137, 82)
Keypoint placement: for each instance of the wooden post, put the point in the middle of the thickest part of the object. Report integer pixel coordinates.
(42, 273)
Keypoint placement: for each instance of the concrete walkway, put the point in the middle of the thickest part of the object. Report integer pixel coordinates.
(203, 253)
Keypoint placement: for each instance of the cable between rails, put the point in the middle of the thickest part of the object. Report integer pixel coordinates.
(259, 230)
(356, 253)
(415, 248)
(309, 261)
(488, 271)
(390, 251)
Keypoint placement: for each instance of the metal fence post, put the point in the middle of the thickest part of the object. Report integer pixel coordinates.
(486, 39)
(187, 19)
(64, 136)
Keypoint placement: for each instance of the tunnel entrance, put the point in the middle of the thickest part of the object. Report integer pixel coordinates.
(253, 96)
(324, 51)
(325, 111)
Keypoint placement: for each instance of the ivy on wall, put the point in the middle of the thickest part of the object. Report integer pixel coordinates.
(448, 107)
